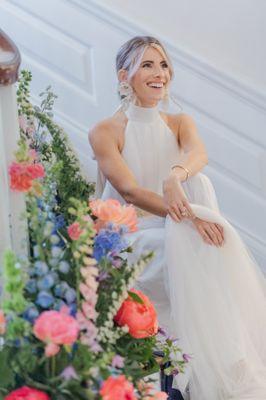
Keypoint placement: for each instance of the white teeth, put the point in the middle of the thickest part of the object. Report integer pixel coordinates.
(157, 85)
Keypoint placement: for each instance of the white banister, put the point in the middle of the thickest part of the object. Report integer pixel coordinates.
(12, 205)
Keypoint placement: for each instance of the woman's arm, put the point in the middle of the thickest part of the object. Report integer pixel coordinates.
(195, 155)
(104, 142)
(193, 159)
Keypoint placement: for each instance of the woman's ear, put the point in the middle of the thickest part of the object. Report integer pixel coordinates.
(122, 75)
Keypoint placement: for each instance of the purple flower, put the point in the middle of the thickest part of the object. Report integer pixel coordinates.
(69, 373)
(175, 372)
(102, 276)
(162, 331)
(117, 361)
(186, 357)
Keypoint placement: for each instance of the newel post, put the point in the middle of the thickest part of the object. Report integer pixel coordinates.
(12, 229)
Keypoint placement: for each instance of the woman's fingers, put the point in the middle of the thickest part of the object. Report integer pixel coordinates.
(190, 212)
(218, 233)
(221, 229)
(212, 234)
(173, 215)
(204, 235)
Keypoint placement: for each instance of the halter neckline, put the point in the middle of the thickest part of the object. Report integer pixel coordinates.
(142, 114)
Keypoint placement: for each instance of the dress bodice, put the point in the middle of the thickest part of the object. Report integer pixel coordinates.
(150, 149)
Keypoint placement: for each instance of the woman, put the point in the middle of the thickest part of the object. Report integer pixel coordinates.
(207, 289)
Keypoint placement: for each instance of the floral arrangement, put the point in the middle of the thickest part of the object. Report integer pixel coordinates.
(71, 324)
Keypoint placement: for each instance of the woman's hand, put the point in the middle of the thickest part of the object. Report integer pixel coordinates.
(212, 233)
(175, 200)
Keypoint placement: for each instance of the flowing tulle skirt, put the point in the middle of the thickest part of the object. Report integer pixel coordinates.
(212, 298)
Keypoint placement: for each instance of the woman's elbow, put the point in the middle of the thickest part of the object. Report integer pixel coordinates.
(129, 195)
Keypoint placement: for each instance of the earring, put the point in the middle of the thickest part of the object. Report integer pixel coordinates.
(126, 94)
(165, 99)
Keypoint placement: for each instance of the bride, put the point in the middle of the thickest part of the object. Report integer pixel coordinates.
(208, 291)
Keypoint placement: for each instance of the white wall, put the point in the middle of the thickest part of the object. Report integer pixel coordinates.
(228, 34)
(72, 45)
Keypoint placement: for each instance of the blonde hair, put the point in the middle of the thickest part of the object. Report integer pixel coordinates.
(130, 54)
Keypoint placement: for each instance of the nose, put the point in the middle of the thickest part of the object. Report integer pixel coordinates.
(158, 71)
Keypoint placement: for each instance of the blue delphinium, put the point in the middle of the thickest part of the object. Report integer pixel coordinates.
(40, 268)
(31, 313)
(64, 267)
(46, 282)
(107, 241)
(45, 299)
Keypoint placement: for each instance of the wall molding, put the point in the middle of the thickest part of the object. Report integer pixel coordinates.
(234, 85)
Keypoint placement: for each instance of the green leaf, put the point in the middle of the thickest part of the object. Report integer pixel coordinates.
(6, 373)
(136, 297)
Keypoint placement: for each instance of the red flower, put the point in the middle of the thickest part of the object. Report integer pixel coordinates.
(20, 179)
(2, 323)
(22, 175)
(35, 171)
(27, 393)
(74, 231)
(117, 388)
(141, 319)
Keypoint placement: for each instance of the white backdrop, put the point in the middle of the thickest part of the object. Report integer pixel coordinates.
(71, 44)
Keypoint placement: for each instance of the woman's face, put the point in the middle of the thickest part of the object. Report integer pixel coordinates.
(152, 78)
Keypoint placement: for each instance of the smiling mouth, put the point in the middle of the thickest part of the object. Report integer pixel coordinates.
(156, 86)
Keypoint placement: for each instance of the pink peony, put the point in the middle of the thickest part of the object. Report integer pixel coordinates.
(112, 211)
(74, 231)
(56, 328)
(115, 388)
(27, 393)
(141, 319)
(2, 323)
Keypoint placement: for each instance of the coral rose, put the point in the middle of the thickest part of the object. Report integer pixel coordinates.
(27, 393)
(19, 178)
(115, 388)
(56, 328)
(2, 323)
(22, 175)
(141, 319)
(35, 171)
(112, 211)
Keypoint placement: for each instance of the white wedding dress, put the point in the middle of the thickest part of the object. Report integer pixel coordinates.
(211, 298)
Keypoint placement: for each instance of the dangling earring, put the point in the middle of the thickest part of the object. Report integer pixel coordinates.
(126, 94)
(165, 100)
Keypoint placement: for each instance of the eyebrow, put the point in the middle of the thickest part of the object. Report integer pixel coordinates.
(164, 61)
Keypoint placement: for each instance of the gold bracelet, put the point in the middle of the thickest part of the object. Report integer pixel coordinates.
(184, 168)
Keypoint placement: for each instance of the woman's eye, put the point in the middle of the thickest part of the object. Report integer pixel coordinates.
(164, 65)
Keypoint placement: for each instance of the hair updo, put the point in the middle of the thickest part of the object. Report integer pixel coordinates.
(130, 54)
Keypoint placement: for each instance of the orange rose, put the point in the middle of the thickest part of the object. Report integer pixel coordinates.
(112, 211)
(141, 319)
(117, 388)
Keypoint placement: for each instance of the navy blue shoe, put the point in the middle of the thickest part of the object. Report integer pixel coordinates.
(166, 385)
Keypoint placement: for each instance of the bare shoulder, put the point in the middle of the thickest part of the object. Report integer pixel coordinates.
(106, 131)
(178, 118)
